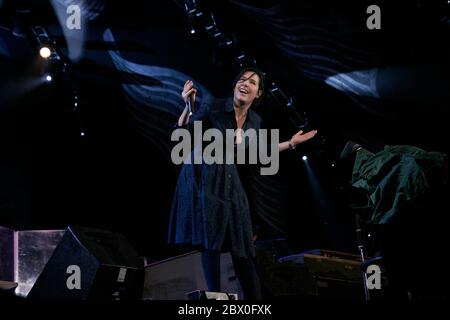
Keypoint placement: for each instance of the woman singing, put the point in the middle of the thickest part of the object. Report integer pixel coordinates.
(210, 208)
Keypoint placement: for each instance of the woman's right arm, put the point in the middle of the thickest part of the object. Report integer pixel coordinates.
(188, 89)
(200, 112)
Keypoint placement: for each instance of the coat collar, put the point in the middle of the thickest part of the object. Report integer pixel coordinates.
(229, 108)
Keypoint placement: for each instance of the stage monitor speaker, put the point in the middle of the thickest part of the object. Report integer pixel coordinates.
(91, 264)
(176, 277)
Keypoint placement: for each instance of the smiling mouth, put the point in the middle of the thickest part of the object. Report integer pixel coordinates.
(243, 91)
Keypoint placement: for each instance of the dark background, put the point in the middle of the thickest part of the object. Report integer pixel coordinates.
(115, 178)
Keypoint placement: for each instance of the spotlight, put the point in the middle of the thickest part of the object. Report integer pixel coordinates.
(48, 78)
(43, 41)
(304, 158)
(192, 31)
(240, 57)
(45, 52)
(82, 133)
(332, 164)
(274, 88)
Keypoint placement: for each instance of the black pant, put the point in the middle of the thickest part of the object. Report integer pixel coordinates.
(245, 270)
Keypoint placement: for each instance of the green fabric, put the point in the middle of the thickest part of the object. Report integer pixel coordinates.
(395, 177)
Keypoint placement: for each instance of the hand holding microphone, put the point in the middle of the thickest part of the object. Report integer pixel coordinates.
(188, 94)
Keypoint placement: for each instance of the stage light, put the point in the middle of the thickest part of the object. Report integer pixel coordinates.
(192, 31)
(332, 164)
(45, 52)
(274, 88)
(190, 7)
(43, 41)
(304, 158)
(48, 78)
(290, 102)
(82, 133)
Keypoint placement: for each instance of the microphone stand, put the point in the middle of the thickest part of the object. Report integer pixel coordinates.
(359, 239)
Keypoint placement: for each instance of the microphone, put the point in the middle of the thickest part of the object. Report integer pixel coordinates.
(191, 104)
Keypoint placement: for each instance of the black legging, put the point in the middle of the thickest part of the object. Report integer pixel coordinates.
(245, 270)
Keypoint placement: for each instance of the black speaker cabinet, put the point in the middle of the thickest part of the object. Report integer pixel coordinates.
(91, 264)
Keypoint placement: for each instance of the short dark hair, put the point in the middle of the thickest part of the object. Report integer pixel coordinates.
(260, 75)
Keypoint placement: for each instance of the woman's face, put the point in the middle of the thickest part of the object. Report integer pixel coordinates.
(247, 88)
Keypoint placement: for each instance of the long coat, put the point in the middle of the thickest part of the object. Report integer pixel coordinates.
(210, 200)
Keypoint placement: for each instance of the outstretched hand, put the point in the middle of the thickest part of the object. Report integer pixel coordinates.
(301, 137)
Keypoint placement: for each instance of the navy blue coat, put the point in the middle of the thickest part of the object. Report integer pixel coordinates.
(210, 200)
